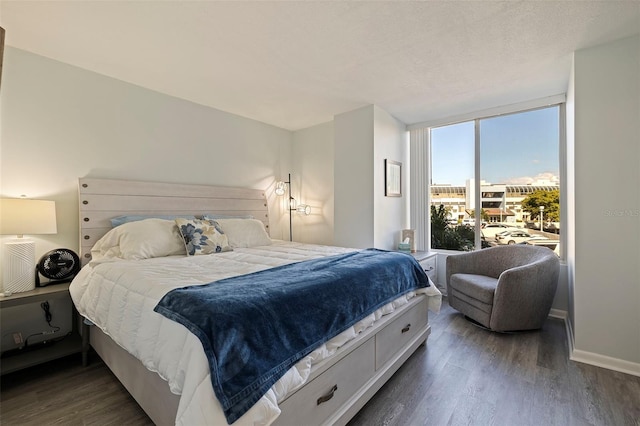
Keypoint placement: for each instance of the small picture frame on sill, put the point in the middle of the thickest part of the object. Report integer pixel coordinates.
(392, 178)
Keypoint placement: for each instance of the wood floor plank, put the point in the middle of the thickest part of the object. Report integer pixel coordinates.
(62, 392)
(465, 375)
(551, 400)
(509, 379)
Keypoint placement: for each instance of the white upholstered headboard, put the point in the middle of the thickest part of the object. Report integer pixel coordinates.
(100, 200)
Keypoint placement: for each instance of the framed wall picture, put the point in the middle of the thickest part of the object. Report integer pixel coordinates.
(392, 178)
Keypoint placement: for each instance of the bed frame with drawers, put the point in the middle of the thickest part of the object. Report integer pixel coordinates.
(337, 388)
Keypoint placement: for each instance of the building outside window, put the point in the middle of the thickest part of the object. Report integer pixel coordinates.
(496, 172)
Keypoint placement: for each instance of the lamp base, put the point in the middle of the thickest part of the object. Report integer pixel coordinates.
(19, 266)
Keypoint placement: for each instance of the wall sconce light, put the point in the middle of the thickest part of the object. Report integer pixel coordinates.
(304, 208)
(280, 187)
(21, 216)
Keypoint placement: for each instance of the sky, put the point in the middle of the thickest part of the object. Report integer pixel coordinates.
(514, 149)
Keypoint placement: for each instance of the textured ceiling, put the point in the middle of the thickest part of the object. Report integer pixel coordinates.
(297, 64)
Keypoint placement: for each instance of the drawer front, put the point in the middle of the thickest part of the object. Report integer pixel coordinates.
(429, 266)
(321, 397)
(395, 335)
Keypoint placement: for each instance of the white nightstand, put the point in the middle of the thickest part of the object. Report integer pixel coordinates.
(428, 261)
(28, 357)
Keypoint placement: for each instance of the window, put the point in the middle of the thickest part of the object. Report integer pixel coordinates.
(498, 170)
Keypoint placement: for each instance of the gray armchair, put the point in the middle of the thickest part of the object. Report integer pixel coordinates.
(504, 288)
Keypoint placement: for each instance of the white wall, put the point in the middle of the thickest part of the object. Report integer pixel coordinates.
(353, 172)
(391, 141)
(60, 123)
(312, 165)
(607, 204)
(364, 216)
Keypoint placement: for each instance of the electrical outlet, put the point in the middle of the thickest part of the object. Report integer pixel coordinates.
(17, 338)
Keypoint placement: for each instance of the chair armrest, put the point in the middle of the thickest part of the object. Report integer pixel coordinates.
(541, 273)
(524, 294)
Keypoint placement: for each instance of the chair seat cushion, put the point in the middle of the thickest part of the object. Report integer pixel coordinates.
(479, 287)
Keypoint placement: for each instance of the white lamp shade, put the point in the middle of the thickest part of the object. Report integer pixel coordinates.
(304, 208)
(280, 188)
(21, 216)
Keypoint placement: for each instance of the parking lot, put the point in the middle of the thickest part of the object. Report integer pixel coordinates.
(537, 237)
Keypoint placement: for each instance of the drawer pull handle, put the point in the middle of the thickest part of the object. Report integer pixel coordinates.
(328, 396)
(406, 328)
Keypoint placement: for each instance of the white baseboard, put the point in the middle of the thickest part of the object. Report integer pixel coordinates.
(591, 358)
(560, 314)
(607, 362)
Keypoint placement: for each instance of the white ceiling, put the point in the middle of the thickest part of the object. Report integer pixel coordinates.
(297, 64)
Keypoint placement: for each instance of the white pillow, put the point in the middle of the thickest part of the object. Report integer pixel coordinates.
(244, 232)
(141, 239)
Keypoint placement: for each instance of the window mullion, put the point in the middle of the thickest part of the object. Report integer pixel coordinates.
(563, 180)
(477, 187)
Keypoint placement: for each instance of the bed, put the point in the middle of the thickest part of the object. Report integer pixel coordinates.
(130, 269)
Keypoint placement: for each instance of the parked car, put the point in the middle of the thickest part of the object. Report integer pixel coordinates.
(552, 227)
(519, 236)
(490, 230)
(472, 222)
(506, 231)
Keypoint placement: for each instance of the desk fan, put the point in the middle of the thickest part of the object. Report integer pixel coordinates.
(59, 266)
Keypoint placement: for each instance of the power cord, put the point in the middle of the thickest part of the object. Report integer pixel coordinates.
(25, 345)
(48, 317)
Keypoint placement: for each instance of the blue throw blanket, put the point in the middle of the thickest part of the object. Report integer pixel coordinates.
(254, 327)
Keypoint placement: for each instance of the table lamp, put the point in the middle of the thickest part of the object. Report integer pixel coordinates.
(20, 216)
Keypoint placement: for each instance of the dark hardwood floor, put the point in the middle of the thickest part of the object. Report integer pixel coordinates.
(469, 376)
(464, 376)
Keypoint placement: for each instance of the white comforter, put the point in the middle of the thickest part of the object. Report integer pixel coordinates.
(119, 297)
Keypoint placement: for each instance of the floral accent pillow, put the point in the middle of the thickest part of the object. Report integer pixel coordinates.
(202, 236)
